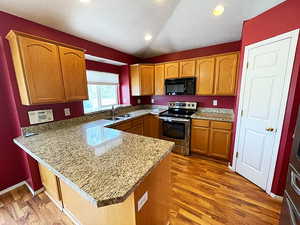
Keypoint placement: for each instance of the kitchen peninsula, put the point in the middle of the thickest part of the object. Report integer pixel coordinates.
(102, 176)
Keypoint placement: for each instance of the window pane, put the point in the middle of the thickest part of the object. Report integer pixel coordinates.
(92, 104)
(108, 95)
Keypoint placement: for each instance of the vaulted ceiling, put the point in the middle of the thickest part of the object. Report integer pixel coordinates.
(122, 24)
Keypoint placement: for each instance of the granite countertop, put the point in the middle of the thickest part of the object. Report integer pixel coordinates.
(102, 164)
(225, 115)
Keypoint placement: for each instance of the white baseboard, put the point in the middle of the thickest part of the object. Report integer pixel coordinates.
(230, 167)
(71, 216)
(12, 188)
(276, 196)
(58, 204)
(33, 192)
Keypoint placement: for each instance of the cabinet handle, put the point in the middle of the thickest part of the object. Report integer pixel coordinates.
(270, 129)
(292, 211)
(294, 178)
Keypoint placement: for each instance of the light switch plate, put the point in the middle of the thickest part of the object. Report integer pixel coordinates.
(215, 102)
(152, 100)
(138, 101)
(40, 116)
(142, 200)
(67, 112)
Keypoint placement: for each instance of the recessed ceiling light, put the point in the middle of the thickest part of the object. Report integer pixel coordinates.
(148, 37)
(219, 10)
(85, 1)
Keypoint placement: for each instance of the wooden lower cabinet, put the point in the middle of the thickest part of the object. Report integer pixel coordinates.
(219, 144)
(155, 211)
(211, 138)
(136, 130)
(145, 125)
(151, 126)
(50, 183)
(200, 139)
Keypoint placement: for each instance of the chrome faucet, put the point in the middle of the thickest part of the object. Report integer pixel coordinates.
(113, 111)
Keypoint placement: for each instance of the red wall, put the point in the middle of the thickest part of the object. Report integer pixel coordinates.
(280, 19)
(223, 102)
(14, 165)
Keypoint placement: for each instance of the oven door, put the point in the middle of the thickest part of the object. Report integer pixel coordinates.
(176, 130)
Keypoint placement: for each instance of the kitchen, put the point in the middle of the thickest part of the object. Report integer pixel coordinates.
(67, 155)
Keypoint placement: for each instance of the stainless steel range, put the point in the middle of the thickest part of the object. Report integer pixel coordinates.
(175, 125)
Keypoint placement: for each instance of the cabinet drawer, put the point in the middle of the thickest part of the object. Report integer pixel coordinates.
(200, 123)
(137, 122)
(221, 125)
(124, 126)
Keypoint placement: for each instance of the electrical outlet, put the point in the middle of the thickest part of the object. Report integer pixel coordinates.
(215, 102)
(152, 100)
(67, 112)
(138, 101)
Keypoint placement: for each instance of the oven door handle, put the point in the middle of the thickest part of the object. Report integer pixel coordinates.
(170, 119)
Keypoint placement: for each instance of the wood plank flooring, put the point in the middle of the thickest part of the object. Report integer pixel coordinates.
(18, 207)
(207, 192)
(203, 192)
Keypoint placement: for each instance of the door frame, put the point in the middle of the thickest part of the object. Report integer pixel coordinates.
(293, 35)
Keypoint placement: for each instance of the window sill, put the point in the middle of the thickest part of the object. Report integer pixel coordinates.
(107, 109)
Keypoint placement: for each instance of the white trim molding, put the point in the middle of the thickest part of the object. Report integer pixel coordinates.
(12, 188)
(33, 192)
(293, 35)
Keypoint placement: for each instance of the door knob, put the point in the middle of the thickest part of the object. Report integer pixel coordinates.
(270, 129)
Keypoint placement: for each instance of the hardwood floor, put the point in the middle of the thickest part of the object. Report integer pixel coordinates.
(203, 192)
(206, 192)
(18, 207)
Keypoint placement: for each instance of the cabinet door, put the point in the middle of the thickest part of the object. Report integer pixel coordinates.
(205, 76)
(50, 183)
(188, 68)
(136, 130)
(171, 70)
(151, 126)
(135, 80)
(226, 72)
(220, 141)
(159, 79)
(42, 72)
(147, 80)
(74, 73)
(200, 140)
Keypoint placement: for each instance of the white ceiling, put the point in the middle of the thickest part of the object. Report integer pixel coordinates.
(122, 24)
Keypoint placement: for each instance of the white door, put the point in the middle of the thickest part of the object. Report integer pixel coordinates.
(264, 92)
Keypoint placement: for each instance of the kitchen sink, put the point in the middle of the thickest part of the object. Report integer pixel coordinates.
(121, 117)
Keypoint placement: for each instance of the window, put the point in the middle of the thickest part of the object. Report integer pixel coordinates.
(103, 91)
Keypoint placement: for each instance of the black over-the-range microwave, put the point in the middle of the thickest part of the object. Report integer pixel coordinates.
(180, 86)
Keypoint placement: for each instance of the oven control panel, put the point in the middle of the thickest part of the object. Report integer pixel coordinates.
(183, 105)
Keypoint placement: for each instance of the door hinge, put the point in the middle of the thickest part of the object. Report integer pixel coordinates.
(237, 154)
(247, 66)
(242, 112)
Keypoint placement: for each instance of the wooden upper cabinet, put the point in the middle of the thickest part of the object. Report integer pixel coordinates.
(187, 68)
(159, 79)
(171, 70)
(38, 72)
(41, 75)
(142, 80)
(226, 73)
(147, 79)
(205, 76)
(74, 73)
